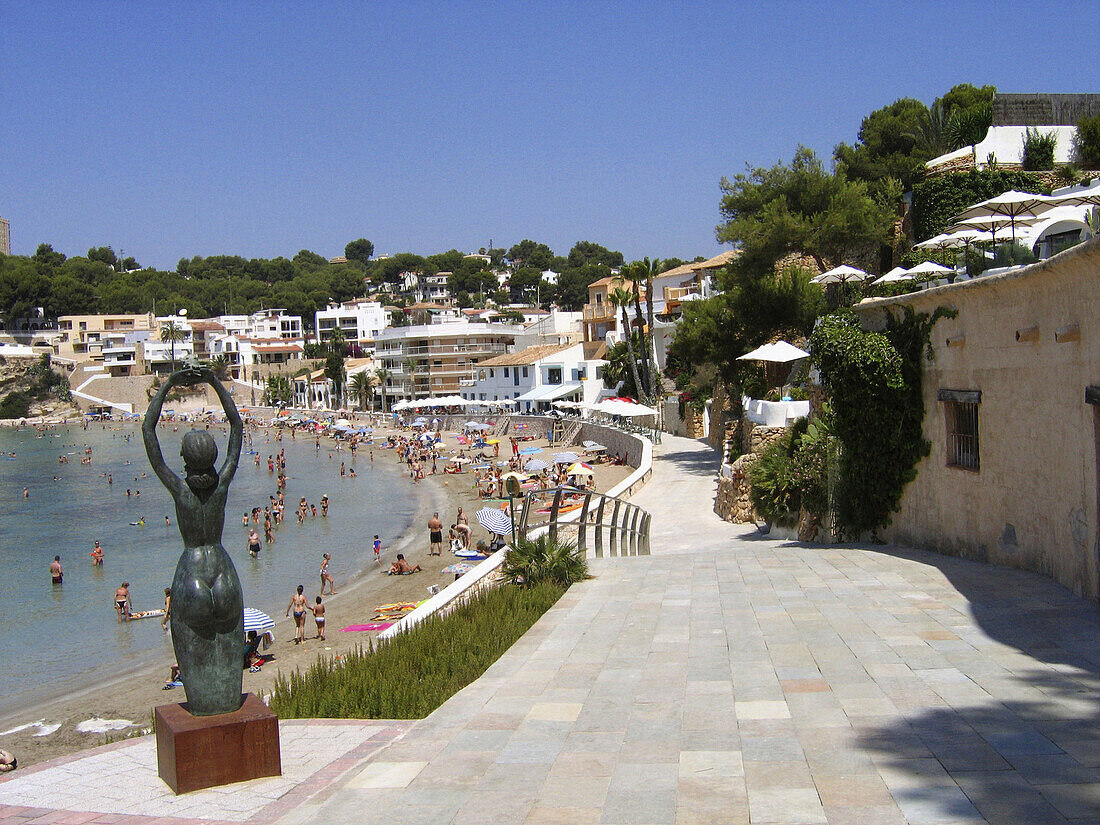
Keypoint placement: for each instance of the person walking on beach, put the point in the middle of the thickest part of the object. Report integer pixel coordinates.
(319, 617)
(435, 535)
(377, 549)
(326, 576)
(298, 603)
(97, 555)
(122, 602)
(167, 609)
(56, 573)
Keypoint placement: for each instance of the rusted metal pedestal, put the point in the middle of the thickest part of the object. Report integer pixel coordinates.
(195, 752)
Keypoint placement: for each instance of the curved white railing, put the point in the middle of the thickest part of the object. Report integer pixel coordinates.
(482, 576)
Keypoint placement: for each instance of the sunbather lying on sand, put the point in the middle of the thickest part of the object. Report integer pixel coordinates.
(402, 567)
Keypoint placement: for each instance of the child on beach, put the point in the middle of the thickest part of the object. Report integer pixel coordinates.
(326, 576)
(377, 549)
(319, 617)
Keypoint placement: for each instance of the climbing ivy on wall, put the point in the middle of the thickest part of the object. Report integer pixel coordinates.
(874, 383)
(937, 200)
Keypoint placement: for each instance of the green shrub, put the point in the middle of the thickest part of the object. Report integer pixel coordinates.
(533, 562)
(410, 675)
(1039, 150)
(15, 405)
(772, 488)
(1012, 254)
(937, 200)
(1086, 143)
(874, 383)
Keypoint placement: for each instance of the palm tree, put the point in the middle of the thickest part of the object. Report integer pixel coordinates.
(278, 390)
(646, 270)
(382, 375)
(622, 299)
(219, 365)
(337, 340)
(173, 332)
(531, 562)
(362, 388)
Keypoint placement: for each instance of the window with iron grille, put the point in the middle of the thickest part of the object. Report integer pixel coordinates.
(961, 415)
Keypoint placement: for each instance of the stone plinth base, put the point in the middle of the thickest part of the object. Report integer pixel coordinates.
(195, 752)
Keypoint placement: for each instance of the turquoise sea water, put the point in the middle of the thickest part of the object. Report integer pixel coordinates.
(54, 638)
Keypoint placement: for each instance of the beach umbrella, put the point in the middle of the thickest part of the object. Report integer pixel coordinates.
(1012, 204)
(629, 409)
(896, 274)
(779, 352)
(536, 465)
(841, 274)
(495, 521)
(566, 458)
(257, 620)
(460, 568)
(929, 268)
(580, 469)
(519, 476)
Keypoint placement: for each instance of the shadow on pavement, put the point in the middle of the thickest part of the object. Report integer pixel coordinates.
(703, 463)
(1021, 738)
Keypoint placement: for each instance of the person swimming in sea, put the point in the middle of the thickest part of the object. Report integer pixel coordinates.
(139, 523)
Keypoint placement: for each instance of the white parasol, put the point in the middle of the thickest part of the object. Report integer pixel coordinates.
(779, 352)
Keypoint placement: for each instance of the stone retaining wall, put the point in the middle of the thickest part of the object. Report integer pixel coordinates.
(731, 502)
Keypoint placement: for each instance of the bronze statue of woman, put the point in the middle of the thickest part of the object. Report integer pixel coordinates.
(207, 602)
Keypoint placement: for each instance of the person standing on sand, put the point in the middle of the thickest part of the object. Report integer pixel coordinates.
(326, 576)
(56, 573)
(167, 609)
(298, 602)
(319, 617)
(377, 549)
(435, 535)
(122, 602)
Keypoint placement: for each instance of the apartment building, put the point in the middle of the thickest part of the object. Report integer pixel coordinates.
(429, 360)
(359, 321)
(85, 337)
(537, 376)
(5, 237)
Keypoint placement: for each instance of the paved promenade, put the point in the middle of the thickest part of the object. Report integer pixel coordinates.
(726, 678)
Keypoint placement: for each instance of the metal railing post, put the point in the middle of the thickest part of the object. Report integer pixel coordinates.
(600, 527)
(615, 528)
(582, 524)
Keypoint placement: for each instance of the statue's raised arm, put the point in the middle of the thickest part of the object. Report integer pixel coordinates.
(236, 428)
(149, 435)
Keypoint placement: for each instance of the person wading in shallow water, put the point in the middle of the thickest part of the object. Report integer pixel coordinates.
(207, 602)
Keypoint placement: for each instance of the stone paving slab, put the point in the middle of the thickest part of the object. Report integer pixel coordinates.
(118, 784)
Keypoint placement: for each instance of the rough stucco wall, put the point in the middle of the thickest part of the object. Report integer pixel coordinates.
(1033, 503)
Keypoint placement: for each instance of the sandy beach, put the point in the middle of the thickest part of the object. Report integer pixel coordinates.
(133, 697)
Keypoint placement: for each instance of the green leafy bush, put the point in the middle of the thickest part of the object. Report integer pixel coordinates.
(874, 383)
(15, 405)
(937, 200)
(1086, 143)
(772, 488)
(1039, 150)
(1012, 254)
(543, 560)
(410, 675)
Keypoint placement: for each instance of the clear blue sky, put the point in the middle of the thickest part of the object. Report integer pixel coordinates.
(177, 129)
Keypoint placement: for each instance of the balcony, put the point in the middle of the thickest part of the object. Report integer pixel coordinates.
(598, 312)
